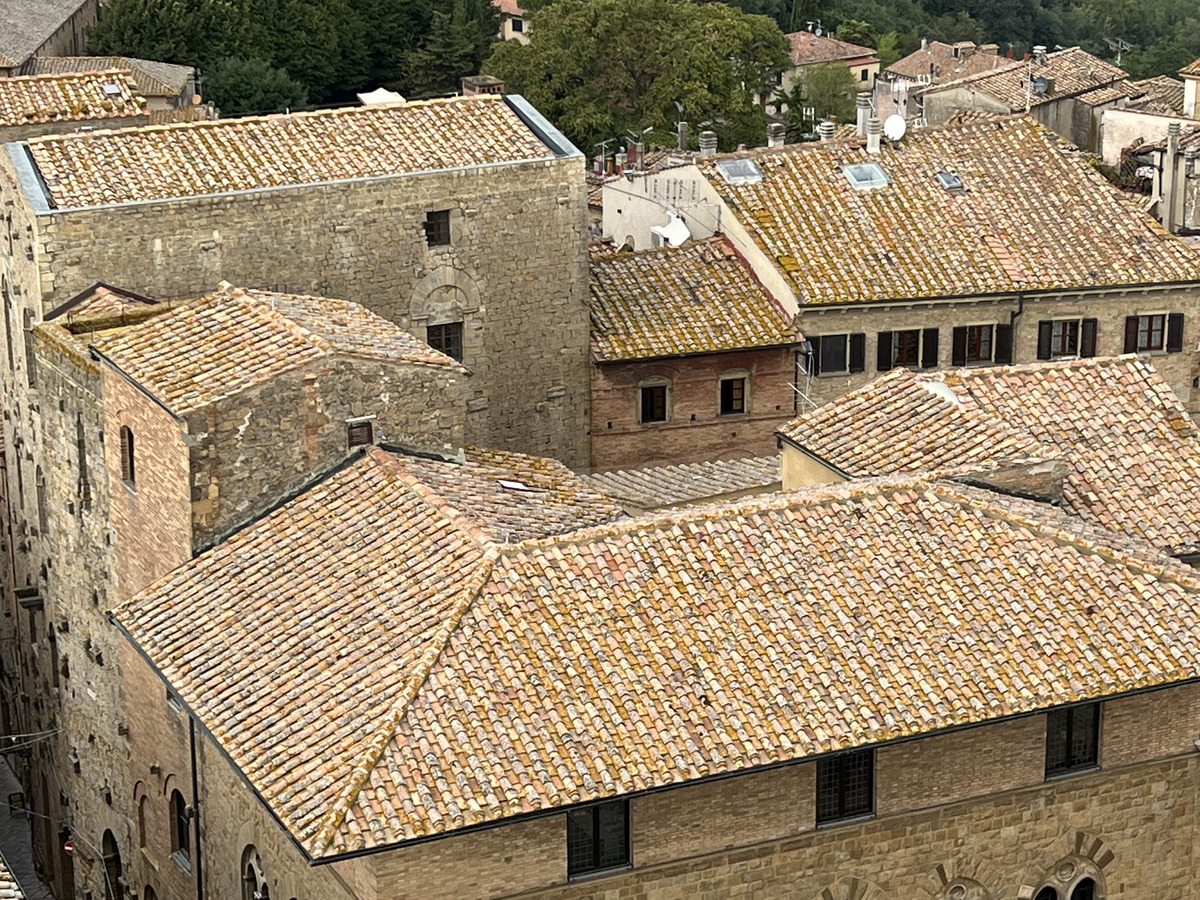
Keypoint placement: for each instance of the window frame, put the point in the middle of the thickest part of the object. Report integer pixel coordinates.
(852, 344)
(1170, 337)
(976, 344)
(1070, 766)
(518, 25)
(437, 337)
(888, 343)
(128, 457)
(731, 378)
(654, 384)
(181, 829)
(841, 760)
(575, 873)
(354, 433)
(438, 232)
(1086, 336)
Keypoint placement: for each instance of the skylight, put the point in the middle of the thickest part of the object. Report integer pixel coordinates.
(865, 176)
(111, 90)
(739, 171)
(950, 181)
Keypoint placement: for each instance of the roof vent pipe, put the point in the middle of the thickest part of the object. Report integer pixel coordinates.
(874, 131)
(863, 104)
(776, 134)
(708, 144)
(826, 130)
(1189, 162)
(1039, 54)
(1169, 168)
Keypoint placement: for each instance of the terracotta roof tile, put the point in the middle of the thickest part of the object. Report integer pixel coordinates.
(153, 79)
(1074, 71)
(809, 48)
(198, 352)
(9, 888)
(939, 62)
(698, 298)
(101, 301)
(1192, 68)
(200, 158)
(1132, 451)
(658, 487)
(84, 97)
(1161, 94)
(1033, 215)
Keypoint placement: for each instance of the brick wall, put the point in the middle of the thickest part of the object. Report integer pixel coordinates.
(516, 273)
(695, 429)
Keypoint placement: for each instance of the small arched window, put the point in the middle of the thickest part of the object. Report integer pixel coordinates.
(180, 830)
(1047, 893)
(1085, 890)
(128, 473)
(141, 811)
(148, 893)
(654, 400)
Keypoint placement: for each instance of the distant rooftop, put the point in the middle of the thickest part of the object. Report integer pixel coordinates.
(1161, 94)
(943, 62)
(1192, 68)
(79, 97)
(27, 24)
(809, 48)
(661, 487)
(202, 158)
(153, 79)
(1072, 70)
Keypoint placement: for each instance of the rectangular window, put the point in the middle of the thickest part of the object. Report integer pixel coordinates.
(518, 25)
(1072, 739)
(982, 344)
(845, 786)
(447, 338)
(654, 403)
(835, 354)
(359, 434)
(733, 396)
(437, 228)
(1064, 338)
(1154, 333)
(863, 75)
(598, 838)
(979, 343)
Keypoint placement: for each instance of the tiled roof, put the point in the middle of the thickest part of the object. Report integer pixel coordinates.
(1132, 451)
(83, 97)
(1192, 68)
(1073, 70)
(153, 79)
(698, 298)
(809, 48)
(200, 158)
(1109, 93)
(421, 694)
(659, 487)
(1034, 215)
(508, 7)
(511, 497)
(207, 349)
(1161, 94)
(101, 301)
(9, 889)
(903, 423)
(27, 24)
(939, 62)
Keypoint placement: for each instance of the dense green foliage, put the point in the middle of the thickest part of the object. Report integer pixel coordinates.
(242, 86)
(602, 68)
(822, 92)
(331, 47)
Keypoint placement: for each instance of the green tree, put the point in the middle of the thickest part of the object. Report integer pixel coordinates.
(606, 67)
(855, 31)
(825, 91)
(252, 86)
(458, 40)
(887, 49)
(190, 32)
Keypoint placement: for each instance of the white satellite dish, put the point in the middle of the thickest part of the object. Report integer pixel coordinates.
(894, 127)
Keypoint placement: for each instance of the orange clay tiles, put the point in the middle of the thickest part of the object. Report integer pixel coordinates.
(658, 487)
(81, 97)
(1192, 68)
(413, 680)
(154, 79)
(939, 61)
(1033, 215)
(809, 48)
(201, 158)
(699, 298)
(1161, 94)
(1074, 71)
(1132, 452)
(198, 352)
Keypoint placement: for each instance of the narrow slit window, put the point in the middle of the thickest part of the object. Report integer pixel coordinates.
(128, 470)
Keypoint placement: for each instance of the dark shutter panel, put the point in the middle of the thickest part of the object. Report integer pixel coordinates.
(1174, 332)
(1003, 354)
(929, 349)
(1131, 330)
(1045, 336)
(959, 356)
(816, 355)
(1087, 337)
(858, 352)
(883, 359)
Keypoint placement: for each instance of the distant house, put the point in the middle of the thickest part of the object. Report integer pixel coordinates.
(900, 86)
(812, 49)
(1067, 91)
(164, 85)
(513, 23)
(33, 28)
(1145, 119)
(34, 105)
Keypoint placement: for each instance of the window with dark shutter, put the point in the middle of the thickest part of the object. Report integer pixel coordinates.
(1072, 738)
(653, 403)
(180, 828)
(883, 353)
(858, 352)
(359, 434)
(1087, 337)
(1045, 336)
(845, 786)
(1131, 334)
(907, 348)
(1148, 334)
(979, 343)
(733, 396)
(127, 465)
(958, 356)
(1174, 334)
(833, 353)
(929, 348)
(1002, 351)
(598, 838)
(437, 228)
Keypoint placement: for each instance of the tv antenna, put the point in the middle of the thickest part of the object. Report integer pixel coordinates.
(1118, 45)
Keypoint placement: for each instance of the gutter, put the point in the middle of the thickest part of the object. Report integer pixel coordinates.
(97, 355)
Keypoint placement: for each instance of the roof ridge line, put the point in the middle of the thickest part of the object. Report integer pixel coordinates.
(432, 498)
(369, 759)
(262, 300)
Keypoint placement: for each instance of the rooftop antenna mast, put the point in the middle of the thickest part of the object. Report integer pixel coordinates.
(603, 145)
(1120, 45)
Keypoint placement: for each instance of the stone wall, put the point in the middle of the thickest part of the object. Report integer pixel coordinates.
(515, 273)
(695, 429)
(251, 450)
(37, 129)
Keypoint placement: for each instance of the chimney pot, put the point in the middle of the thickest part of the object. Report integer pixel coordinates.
(776, 134)
(863, 111)
(1039, 54)
(874, 132)
(620, 159)
(826, 130)
(708, 144)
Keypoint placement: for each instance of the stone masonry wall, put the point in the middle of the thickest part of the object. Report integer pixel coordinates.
(37, 129)
(1110, 308)
(515, 273)
(695, 430)
(252, 449)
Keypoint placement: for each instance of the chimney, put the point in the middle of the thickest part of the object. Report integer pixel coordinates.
(874, 130)
(681, 133)
(620, 158)
(863, 104)
(924, 44)
(776, 134)
(1169, 169)
(826, 130)
(708, 144)
(1039, 54)
(1191, 86)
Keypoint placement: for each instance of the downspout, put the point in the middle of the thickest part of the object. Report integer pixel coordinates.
(196, 809)
(1012, 322)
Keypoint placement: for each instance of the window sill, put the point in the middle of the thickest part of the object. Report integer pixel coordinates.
(599, 873)
(182, 861)
(849, 820)
(733, 415)
(653, 424)
(842, 374)
(129, 486)
(1070, 773)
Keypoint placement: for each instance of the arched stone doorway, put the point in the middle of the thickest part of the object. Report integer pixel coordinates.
(113, 878)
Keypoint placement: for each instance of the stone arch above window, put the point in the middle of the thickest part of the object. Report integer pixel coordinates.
(961, 879)
(444, 295)
(254, 881)
(1074, 877)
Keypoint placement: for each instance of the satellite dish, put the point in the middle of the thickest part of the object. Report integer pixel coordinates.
(895, 127)
(1041, 85)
